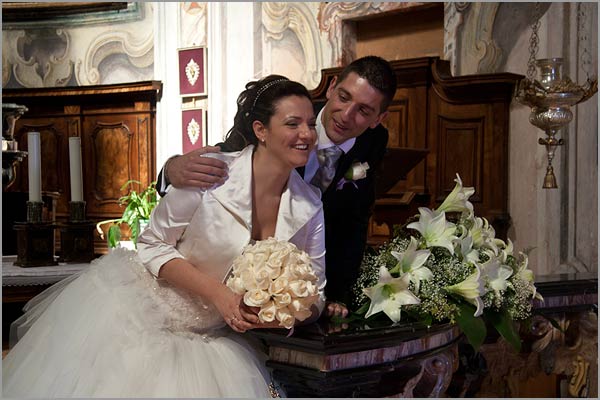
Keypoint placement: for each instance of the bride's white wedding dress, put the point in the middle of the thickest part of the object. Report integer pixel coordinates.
(114, 330)
(110, 333)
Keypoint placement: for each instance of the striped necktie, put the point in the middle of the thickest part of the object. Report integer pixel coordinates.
(328, 158)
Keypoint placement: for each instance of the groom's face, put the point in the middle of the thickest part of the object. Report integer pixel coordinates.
(353, 105)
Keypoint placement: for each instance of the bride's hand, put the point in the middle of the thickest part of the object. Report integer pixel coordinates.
(233, 310)
(250, 314)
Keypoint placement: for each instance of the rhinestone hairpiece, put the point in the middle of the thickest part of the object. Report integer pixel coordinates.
(262, 89)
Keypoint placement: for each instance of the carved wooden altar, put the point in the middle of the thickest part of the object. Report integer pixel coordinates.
(463, 124)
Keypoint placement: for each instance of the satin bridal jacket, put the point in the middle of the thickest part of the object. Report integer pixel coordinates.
(209, 228)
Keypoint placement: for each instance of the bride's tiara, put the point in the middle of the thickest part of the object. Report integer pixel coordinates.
(265, 87)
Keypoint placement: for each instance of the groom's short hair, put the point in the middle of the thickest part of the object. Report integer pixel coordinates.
(378, 72)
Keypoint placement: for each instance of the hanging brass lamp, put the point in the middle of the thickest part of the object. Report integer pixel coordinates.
(552, 97)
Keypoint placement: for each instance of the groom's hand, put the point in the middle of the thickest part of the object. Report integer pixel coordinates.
(191, 169)
(334, 309)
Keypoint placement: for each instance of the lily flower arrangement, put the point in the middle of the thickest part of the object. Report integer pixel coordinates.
(438, 270)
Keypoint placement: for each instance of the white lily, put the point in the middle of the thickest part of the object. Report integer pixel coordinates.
(458, 199)
(389, 294)
(506, 251)
(496, 274)
(465, 251)
(524, 273)
(484, 235)
(434, 228)
(471, 289)
(411, 262)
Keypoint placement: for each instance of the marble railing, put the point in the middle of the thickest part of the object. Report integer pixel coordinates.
(401, 361)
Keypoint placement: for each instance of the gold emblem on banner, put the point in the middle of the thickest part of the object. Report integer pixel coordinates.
(193, 131)
(192, 71)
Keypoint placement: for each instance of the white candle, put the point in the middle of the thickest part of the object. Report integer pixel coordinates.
(35, 166)
(75, 166)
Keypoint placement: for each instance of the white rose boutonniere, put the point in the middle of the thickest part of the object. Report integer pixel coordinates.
(358, 170)
(276, 277)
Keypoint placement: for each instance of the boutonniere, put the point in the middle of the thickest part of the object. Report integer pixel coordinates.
(356, 171)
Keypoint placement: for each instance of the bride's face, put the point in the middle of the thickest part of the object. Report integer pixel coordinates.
(291, 134)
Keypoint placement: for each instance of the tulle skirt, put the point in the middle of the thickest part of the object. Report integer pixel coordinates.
(115, 331)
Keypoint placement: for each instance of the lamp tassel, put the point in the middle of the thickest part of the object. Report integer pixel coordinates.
(550, 179)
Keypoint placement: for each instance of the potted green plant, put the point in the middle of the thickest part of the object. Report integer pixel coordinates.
(138, 207)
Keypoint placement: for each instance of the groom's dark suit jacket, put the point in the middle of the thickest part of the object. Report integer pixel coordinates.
(347, 211)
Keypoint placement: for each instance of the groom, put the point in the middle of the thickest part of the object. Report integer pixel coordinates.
(350, 137)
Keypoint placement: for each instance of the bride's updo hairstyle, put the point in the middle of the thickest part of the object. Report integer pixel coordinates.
(258, 103)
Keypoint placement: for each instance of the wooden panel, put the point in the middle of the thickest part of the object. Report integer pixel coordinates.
(110, 159)
(397, 123)
(460, 151)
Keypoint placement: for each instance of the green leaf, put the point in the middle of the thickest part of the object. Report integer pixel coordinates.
(130, 182)
(505, 327)
(554, 323)
(138, 206)
(114, 235)
(473, 327)
(134, 232)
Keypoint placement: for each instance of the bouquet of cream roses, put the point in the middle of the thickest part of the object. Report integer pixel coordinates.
(276, 277)
(439, 269)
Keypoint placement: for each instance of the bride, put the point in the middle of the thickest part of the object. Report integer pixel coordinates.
(161, 322)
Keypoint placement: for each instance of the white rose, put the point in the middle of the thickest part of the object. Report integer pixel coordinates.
(271, 242)
(247, 277)
(303, 304)
(293, 259)
(238, 265)
(278, 286)
(256, 298)
(287, 247)
(312, 288)
(264, 246)
(302, 315)
(301, 271)
(283, 299)
(247, 258)
(285, 318)
(236, 285)
(357, 171)
(299, 288)
(262, 277)
(267, 312)
(260, 259)
(304, 258)
(277, 259)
